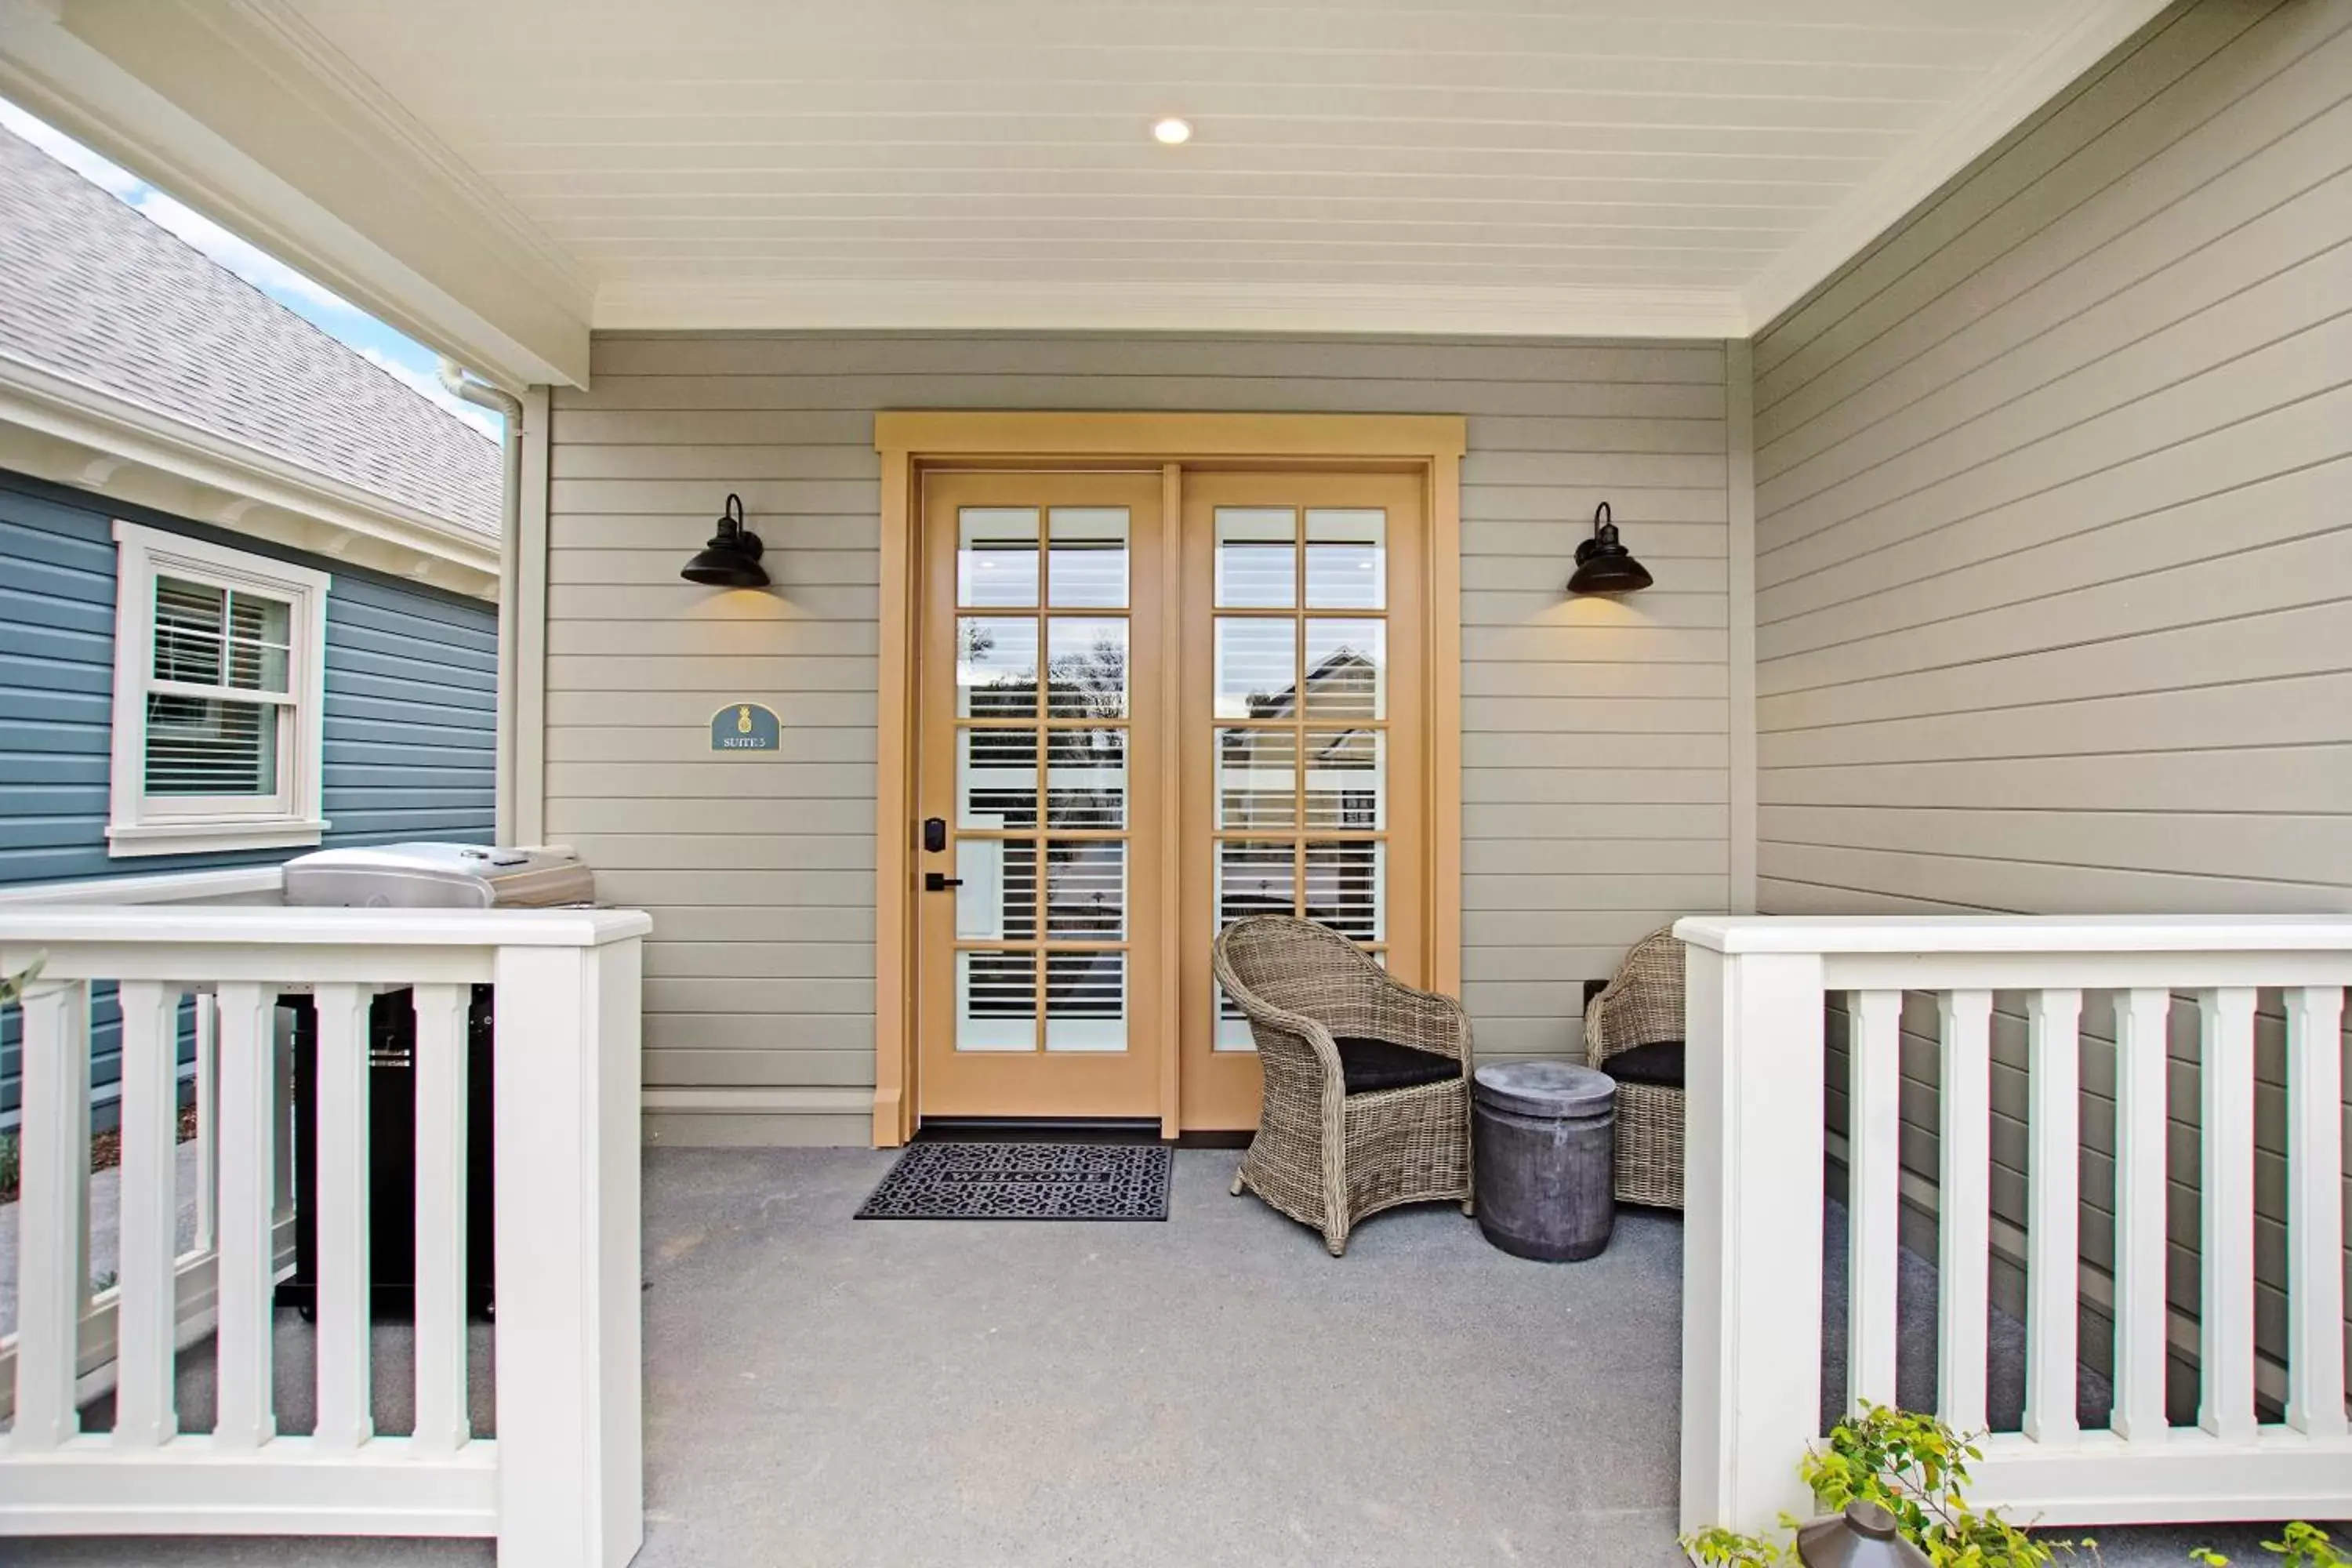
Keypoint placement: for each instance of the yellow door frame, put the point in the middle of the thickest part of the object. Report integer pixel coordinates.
(909, 441)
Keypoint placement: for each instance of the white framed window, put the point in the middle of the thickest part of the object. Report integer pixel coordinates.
(219, 698)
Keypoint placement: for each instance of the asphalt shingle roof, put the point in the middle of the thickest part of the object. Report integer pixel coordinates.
(93, 291)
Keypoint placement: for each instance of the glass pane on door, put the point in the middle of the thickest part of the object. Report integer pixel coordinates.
(996, 1001)
(1086, 1001)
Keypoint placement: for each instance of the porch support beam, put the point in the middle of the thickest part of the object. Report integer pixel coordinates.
(247, 115)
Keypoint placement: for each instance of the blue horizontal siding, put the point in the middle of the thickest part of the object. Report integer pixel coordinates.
(411, 723)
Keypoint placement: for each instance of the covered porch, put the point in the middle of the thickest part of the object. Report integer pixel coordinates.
(1974, 396)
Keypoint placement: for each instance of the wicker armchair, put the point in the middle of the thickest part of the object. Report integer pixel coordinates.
(1367, 1080)
(1634, 1031)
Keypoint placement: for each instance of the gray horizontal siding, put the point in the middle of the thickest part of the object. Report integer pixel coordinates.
(1595, 751)
(410, 726)
(2054, 557)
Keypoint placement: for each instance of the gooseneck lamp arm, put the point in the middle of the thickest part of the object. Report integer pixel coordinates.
(731, 559)
(1603, 564)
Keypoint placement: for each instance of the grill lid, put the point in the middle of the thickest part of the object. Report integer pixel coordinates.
(439, 876)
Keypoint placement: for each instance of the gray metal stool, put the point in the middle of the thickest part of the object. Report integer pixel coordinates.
(1543, 1143)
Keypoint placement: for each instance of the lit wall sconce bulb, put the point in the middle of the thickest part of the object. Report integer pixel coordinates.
(1172, 131)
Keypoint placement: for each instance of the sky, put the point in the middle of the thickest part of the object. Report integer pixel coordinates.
(403, 357)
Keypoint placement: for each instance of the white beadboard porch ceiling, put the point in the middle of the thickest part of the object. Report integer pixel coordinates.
(1411, 163)
(1526, 167)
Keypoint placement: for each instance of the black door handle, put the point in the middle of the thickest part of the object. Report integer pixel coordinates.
(939, 881)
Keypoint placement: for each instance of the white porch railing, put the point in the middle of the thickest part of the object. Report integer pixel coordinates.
(1752, 1319)
(561, 1484)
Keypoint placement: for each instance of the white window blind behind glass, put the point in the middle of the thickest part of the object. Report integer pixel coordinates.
(219, 683)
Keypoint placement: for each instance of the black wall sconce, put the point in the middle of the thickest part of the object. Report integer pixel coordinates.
(1603, 564)
(731, 559)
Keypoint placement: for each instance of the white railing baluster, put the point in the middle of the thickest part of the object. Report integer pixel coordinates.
(2143, 1019)
(442, 1423)
(2226, 1235)
(2314, 1210)
(145, 1413)
(345, 1290)
(1873, 1196)
(207, 1141)
(2053, 1074)
(1964, 1278)
(246, 1264)
(53, 1190)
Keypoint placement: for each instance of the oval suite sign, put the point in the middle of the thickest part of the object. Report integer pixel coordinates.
(745, 726)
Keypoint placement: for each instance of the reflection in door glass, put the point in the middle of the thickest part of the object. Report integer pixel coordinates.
(1086, 889)
(996, 557)
(1347, 786)
(1344, 888)
(1255, 877)
(1086, 669)
(1086, 1001)
(1257, 558)
(997, 666)
(996, 1001)
(1347, 560)
(1085, 781)
(1347, 669)
(1257, 778)
(996, 778)
(1088, 557)
(1256, 667)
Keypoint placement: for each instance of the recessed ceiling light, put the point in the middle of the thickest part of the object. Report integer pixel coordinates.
(1173, 131)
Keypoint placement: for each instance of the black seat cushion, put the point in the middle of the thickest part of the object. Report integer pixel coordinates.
(1366, 1065)
(1660, 1062)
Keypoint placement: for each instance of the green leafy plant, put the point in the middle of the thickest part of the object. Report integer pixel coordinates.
(1916, 1468)
(2300, 1546)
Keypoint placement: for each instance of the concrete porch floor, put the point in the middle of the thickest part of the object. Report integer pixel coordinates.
(1212, 1390)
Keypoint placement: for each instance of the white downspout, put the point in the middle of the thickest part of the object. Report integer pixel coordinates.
(484, 394)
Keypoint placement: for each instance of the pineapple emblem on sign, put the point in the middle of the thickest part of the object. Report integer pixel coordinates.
(745, 726)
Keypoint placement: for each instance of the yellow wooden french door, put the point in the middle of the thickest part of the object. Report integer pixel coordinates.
(1300, 737)
(1128, 741)
(1042, 796)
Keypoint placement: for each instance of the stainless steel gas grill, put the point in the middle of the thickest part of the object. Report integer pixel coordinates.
(439, 877)
(405, 876)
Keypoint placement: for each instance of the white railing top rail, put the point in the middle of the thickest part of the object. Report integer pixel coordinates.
(233, 925)
(1828, 934)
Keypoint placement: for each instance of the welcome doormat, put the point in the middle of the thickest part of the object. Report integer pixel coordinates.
(1025, 1181)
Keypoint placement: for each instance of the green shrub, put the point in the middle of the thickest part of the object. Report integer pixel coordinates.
(1916, 1468)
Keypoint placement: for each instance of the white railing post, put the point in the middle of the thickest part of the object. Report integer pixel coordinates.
(52, 1234)
(2226, 1233)
(2143, 1028)
(2314, 1210)
(145, 1315)
(442, 1244)
(2053, 1269)
(247, 1264)
(565, 1084)
(1873, 1194)
(1964, 1196)
(345, 1286)
(1752, 1234)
